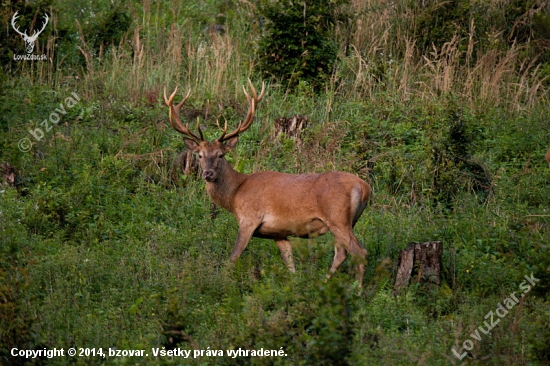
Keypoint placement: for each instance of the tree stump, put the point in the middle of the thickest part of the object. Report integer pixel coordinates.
(187, 163)
(7, 174)
(291, 127)
(419, 263)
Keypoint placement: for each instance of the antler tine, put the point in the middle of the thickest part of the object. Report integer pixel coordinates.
(221, 138)
(171, 111)
(247, 122)
(256, 98)
(174, 116)
(178, 106)
(243, 126)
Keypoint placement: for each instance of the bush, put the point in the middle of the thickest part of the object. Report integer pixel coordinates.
(296, 44)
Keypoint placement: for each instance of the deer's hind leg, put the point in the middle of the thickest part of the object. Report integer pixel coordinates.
(345, 240)
(286, 252)
(339, 258)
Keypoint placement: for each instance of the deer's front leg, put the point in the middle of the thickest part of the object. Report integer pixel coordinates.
(246, 230)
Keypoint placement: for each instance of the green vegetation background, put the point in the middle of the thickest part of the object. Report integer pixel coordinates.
(441, 106)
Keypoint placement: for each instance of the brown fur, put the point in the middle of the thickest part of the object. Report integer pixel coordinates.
(548, 157)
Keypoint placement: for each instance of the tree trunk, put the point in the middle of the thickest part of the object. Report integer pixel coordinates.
(419, 262)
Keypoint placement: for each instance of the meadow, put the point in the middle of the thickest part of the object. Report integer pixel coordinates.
(105, 242)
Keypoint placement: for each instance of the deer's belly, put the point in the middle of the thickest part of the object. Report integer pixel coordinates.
(281, 227)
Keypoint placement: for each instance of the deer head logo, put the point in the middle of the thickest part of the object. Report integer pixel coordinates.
(29, 40)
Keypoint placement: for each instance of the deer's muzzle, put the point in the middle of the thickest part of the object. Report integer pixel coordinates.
(209, 175)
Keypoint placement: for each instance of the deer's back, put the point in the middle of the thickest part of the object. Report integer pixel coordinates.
(300, 204)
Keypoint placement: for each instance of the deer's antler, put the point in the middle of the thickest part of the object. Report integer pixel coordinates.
(252, 103)
(175, 117)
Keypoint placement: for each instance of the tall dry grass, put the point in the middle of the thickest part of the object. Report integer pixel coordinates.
(203, 63)
(156, 53)
(382, 57)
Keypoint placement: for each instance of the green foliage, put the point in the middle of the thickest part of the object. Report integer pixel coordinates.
(438, 21)
(296, 44)
(312, 329)
(103, 25)
(16, 318)
(104, 243)
(517, 22)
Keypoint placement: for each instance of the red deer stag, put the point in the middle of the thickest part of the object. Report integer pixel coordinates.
(275, 205)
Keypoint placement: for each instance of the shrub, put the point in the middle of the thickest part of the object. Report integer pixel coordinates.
(296, 44)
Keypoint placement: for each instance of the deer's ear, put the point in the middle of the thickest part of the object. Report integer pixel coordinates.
(231, 143)
(191, 144)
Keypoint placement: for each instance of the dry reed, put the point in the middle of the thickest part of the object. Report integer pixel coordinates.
(382, 57)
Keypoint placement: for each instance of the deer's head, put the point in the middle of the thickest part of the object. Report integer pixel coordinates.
(212, 153)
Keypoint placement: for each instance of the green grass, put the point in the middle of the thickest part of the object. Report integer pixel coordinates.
(105, 244)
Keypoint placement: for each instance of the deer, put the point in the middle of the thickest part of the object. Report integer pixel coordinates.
(274, 205)
(548, 157)
(29, 40)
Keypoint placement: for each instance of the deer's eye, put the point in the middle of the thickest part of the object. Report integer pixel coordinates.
(221, 155)
(200, 156)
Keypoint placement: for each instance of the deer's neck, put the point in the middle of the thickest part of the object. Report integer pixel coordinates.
(223, 189)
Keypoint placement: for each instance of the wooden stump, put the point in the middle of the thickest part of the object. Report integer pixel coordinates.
(7, 174)
(187, 163)
(291, 127)
(421, 263)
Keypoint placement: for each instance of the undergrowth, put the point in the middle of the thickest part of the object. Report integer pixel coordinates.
(105, 243)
